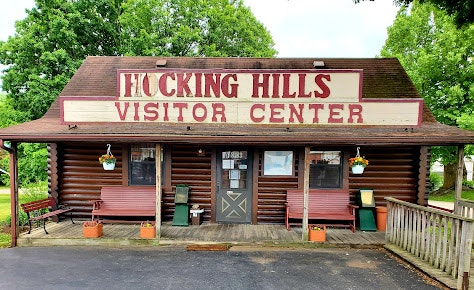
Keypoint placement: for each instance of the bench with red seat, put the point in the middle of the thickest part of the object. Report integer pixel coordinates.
(323, 205)
(122, 201)
(30, 208)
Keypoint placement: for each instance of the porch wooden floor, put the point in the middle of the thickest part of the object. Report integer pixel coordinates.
(65, 233)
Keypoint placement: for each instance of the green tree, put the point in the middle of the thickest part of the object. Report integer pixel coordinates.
(50, 44)
(438, 58)
(461, 10)
(32, 158)
(212, 28)
(57, 35)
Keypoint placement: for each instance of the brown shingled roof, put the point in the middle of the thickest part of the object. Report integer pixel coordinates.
(382, 78)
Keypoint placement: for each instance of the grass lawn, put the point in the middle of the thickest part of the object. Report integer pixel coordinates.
(467, 194)
(5, 238)
(4, 206)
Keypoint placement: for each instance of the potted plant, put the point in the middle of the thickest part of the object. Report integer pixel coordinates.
(108, 160)
(317, 233)
(92, 229)
(358, 163)
(147, 230)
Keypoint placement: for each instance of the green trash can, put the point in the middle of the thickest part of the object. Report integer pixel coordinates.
(366, 219)
(181, 211)
(366, 202)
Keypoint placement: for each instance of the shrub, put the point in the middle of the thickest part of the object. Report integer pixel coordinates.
(29, 193)
(436, 181)
(22, 219)
(468, 183)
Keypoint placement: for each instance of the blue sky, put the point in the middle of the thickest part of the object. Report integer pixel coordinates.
(300, 28)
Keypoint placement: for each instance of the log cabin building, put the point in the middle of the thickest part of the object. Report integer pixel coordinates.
(237, 131)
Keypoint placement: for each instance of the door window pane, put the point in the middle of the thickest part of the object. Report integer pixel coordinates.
(234, 169)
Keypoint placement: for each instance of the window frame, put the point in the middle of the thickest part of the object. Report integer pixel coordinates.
(287, 167)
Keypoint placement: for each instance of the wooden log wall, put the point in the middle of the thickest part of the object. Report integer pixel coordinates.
(81, 176)
(392, 171)
(272, 192)
(186, 167)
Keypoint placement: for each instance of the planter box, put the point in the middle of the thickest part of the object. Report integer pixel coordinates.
(317, 235)
(147, 232)
(92, 232)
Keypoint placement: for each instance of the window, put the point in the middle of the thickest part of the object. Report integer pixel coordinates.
(278, 163)
(325, 169)
(142, 167)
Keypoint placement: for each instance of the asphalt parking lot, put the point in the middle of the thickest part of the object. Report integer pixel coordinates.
(173, 267)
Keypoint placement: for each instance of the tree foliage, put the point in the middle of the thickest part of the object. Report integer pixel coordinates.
(57, 35)
(193, 28)
(438, 58)
(461, 10)
(32, 163)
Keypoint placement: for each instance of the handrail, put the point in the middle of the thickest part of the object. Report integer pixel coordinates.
(442, 239)
(465, 207)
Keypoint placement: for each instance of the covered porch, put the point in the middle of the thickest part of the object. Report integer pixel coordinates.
(65, 233)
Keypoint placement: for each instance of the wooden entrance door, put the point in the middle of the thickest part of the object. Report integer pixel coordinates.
(234, 186)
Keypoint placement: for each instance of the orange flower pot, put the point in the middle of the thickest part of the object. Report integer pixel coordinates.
(92, 231)
(317, 235)
(147, 231)
(381, 218)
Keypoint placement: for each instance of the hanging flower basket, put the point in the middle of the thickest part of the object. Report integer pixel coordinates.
(358, 163)
(108, 166)
(357, 169)
(108, 160)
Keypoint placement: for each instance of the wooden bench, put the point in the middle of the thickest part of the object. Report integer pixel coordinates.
(324, 205)
(124, 201)
(36, 206)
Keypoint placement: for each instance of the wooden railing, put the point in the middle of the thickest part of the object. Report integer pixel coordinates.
(442, 239)
(465, 208)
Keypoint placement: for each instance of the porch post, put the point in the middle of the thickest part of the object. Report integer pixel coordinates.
(159, 160)
(304, 230)
(13, 190)
(459, 176)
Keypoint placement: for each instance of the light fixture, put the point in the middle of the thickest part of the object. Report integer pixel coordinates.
(161, 63)
(201, 152)
(318, 64)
